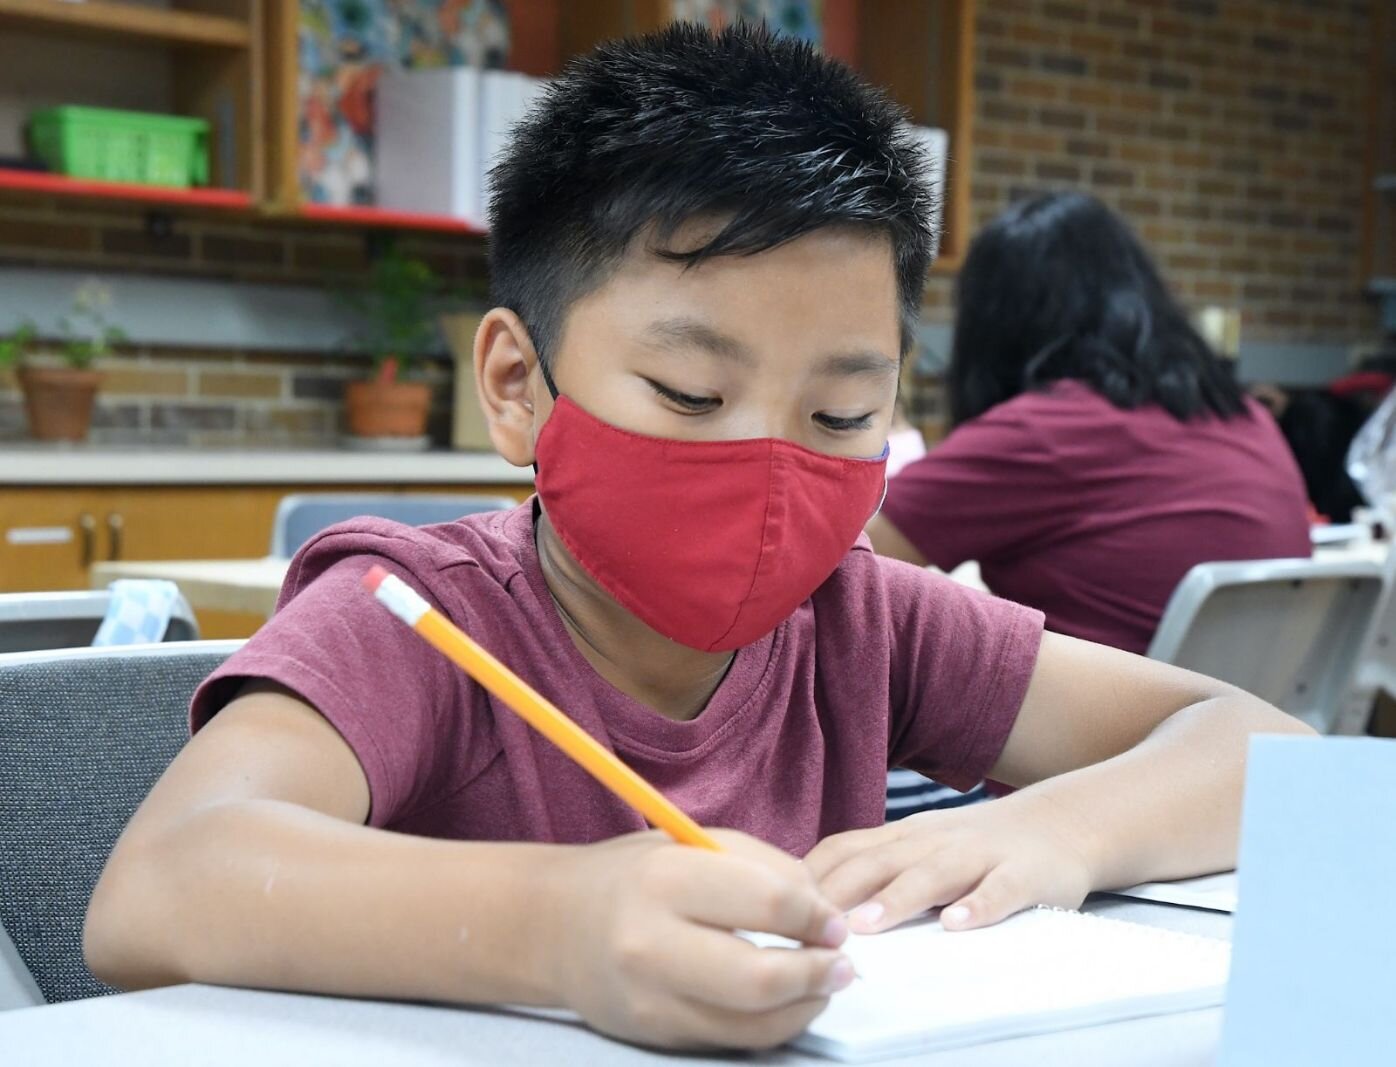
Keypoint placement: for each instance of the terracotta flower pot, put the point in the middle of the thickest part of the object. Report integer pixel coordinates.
(387, 409)
(58, 401)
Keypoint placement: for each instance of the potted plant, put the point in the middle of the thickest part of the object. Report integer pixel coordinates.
(58, 397)
(397, 308)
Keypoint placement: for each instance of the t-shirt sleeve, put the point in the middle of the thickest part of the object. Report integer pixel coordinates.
(986, 488)
(399, 704)
(961, 664)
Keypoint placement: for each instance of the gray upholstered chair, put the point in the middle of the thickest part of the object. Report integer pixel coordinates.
(30, 622)
(301, 516)
(84, 734)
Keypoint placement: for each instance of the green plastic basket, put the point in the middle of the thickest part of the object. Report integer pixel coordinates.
(121, 146)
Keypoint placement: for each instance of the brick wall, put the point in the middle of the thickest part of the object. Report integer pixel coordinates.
(43, 231)
(1230, 132)
(224, 399)
(217, 398)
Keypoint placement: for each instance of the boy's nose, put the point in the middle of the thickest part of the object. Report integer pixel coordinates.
(763, 421)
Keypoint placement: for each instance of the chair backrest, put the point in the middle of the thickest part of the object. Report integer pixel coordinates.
(301, 516)
(84, 734)
(1376, 672)
(1288, 630)
(31, 622)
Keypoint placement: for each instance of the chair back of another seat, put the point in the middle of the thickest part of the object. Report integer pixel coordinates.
(84, 734)
(1288, 630)
(301, 516)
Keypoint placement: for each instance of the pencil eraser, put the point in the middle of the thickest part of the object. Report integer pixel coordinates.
(374, 578)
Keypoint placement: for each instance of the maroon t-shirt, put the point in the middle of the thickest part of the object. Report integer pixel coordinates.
(886, 664)
(1094, 514)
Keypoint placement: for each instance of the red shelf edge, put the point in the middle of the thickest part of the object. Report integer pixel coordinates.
(230, 199)
(61, 185)
(386, 219)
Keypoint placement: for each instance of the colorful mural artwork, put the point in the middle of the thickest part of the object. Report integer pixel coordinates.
(343, 46)
(798, 18)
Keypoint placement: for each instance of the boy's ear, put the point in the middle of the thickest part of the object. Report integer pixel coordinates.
(506, 382)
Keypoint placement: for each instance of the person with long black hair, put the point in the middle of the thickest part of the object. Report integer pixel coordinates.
(1099, 447)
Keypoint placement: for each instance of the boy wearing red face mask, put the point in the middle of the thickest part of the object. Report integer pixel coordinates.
(706, 250)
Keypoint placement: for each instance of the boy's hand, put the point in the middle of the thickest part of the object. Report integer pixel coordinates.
(981, 863)
(643, 947)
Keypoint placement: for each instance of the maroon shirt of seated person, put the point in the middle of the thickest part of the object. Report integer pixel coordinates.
(886, 664)
(1093, 513)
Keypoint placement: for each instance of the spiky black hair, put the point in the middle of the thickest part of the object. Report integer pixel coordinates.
(744, 125)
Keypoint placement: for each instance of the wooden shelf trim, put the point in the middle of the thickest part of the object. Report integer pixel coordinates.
(107, 18)
(158, 195)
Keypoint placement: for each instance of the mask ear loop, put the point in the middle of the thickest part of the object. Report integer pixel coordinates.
(547, 376)
(552, 390)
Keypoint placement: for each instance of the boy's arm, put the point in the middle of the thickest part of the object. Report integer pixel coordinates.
(1146, 759)
(249, 865)
(1130, 770)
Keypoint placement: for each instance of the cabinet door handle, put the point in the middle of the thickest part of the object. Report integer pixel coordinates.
(87, 526)
(115, 525)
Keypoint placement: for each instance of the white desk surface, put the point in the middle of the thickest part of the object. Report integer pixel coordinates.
(214, 1027)
(210, 584)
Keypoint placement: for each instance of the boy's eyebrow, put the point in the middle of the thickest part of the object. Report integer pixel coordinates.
(684, 331)
(850, 364)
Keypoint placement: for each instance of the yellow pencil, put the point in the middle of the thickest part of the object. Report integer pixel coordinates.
(538, 712)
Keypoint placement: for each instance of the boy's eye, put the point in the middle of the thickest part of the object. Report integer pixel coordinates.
(694, 404)
(835, 422)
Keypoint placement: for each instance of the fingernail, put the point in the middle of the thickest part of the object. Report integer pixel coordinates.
(839, 976)
(865, 916)
(956, 916)
(835, 932)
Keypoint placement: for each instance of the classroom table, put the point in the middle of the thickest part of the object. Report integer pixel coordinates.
(217, 1027)
(249, 585)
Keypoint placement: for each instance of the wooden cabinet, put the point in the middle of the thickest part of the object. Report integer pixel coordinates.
(49, 536)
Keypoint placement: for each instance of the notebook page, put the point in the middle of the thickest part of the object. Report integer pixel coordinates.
(922, 988)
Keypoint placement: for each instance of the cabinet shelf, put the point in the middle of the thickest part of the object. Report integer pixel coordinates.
(112, 20)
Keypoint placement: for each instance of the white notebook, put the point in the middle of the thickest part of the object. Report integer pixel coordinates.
(1212, 892)
(921, 988)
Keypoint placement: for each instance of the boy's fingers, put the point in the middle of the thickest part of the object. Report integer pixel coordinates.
(915, 890)
(733, 893)
(999, 895)
(724, 971)
(706, 1026)
(867, 872)
(833, 851)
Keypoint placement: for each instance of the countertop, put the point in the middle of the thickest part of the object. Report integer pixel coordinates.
(84, 465)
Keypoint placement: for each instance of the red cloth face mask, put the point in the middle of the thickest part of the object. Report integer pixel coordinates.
(711, 543)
